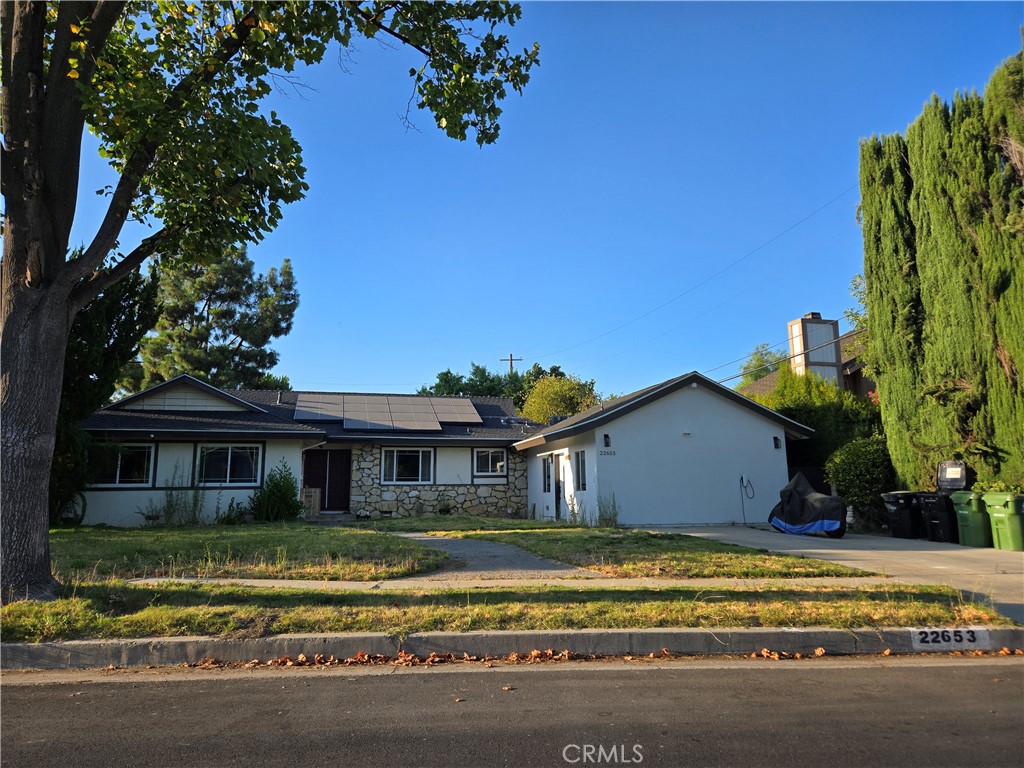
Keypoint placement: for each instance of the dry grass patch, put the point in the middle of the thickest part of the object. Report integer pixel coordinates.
(118, 610)
(271, 551)
(626, 554)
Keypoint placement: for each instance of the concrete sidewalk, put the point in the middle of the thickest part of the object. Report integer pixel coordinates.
(989, 575)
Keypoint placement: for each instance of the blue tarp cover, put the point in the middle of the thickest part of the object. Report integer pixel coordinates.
(801, 509)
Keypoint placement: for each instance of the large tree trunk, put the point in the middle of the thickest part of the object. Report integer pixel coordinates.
(32, 348)
(33, 315)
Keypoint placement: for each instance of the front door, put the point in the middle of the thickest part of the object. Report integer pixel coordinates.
(330, 470)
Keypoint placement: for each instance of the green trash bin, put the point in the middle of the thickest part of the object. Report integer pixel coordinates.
(1005, 515)
(972, 519)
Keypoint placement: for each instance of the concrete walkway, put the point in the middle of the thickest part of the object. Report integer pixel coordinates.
(993, 575)
(479, 564)
(479, 559)
(989, 575)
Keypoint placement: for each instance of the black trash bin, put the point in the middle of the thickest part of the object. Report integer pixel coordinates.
(939, 517)
(939, 514)
(904, 514)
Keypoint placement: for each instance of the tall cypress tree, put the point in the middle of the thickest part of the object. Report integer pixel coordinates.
(942, 256)
(892, 292)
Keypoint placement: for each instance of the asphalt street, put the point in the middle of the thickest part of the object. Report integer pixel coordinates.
(912, 711)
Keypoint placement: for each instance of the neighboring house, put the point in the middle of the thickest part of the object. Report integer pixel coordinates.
(365, 454)
(816, 345)
(686, 451)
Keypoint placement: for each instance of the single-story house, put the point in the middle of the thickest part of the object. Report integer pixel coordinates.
(686, 451)
(358, 453)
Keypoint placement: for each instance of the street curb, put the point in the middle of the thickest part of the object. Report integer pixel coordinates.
(175, 651)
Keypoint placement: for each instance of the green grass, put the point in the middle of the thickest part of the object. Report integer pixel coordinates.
(624, 554)
(279, 550)
(114, 609)
(456, 523)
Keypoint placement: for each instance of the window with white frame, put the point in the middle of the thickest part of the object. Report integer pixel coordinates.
(581, 470)
(407, 465)
(546, 469)
(489, 462)
(121, 465)
(228, 465)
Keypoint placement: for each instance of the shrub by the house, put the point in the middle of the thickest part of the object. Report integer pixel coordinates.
(278, 498)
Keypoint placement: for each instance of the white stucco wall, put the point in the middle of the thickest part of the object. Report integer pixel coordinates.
(119, 506)
(675, 461)
(454, 465)
(579, 502)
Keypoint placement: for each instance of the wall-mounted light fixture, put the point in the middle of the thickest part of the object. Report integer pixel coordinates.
(607, 440)
(778, 441)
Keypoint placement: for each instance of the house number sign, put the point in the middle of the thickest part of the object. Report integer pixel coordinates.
(960, 639)
(606, 453)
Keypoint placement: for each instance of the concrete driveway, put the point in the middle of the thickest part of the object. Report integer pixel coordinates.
(990, 575)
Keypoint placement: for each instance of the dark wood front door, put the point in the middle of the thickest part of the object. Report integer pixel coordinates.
(330, 470)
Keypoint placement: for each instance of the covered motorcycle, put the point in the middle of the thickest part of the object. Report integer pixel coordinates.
(801, 509)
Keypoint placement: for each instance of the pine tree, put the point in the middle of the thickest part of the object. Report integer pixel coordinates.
(217, 321)
(104, 336)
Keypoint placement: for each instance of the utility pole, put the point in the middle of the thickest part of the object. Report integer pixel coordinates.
(510, 361)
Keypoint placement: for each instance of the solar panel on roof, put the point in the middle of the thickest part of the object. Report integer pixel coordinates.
(385, 412)
(318, 406)
(367, 425)
(455, 410)
(416, 423)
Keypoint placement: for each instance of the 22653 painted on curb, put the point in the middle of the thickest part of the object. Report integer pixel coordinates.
(952, 639)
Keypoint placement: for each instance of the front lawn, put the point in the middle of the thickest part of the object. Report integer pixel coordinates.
(272, 551)
(117, 610)
(666, 555)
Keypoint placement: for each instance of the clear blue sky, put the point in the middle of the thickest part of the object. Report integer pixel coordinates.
(657, 145)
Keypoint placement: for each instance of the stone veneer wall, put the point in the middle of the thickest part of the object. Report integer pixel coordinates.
(370, 498)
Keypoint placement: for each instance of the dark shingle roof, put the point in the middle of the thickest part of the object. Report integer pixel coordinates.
(272, 416)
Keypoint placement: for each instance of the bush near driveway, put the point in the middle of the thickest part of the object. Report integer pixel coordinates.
(861, 471)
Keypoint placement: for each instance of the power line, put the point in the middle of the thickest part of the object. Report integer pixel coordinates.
(741, 359)
(675, 329)
(720, 272)
(511, 360)
(786, 359)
